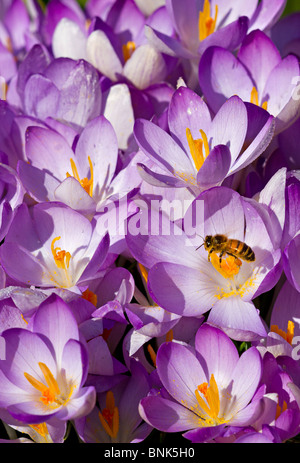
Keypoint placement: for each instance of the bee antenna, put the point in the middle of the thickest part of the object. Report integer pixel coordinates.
(200, 246)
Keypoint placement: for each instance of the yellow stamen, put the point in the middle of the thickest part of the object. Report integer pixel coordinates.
(144, 272)
(280, 409)
(196, 148)
(286, 335)
(229, 266)
(40, 428)
(62, 258)
(86, 183)
(128, 49)
(152, 354)
(211, 404)
(109, 417)
(50, 393)
(169, 336)
(90, 296)
(254, 99)
(206, 23)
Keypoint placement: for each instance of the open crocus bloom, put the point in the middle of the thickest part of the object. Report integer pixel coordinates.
(208, 388)
(58, 247)
(48, 380)
(200, 152)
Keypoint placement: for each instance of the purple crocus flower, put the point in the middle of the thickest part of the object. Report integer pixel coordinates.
(206, 390)
(187, 283)
(48, 381)
(118, 420)
(258, 75)
(201, 152)
(57, 248)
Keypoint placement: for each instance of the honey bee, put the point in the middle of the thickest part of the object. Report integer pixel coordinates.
(232, 247)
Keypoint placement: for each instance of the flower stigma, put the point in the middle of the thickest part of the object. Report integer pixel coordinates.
(109, 417)
(87, 184)
(206, 23)
(90, 296)
(228, 267)
(51, 394)
(62, 261)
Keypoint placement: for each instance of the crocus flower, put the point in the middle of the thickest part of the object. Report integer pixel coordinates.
(48, 381)
(207, 389)
(258, 75)
(118, 420)
(187, 283)
(200, 152)
(57, 248)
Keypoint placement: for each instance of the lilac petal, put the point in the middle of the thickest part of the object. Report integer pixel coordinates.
(246, 377)
(55, 320)
(216, 353)
(81, 405)
(187, 110)
(68, 40)
(41, 97)
(180, 372)
(159, 180)
(267, 14)
(185, 19)
(117, 283)
(223, 129)
(178, 289)
(71, 193)
(98, 258)
(145, 67)
(161, 147)
(166, 415)
(44, 146)
(75, 361)
(102, 55)
(222, 75)
(17, 22)
(204, 434)
(38, 183)
(260, 56)
(98, 141)
(228, 37)
(34, 63)
(291, 262)
(112, 310)
(237, 318)
(166, 44)
(215, 167)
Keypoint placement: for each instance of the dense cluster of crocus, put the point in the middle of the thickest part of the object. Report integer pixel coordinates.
(149, 221)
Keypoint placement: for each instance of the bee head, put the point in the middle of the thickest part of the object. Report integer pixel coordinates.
(208, 242)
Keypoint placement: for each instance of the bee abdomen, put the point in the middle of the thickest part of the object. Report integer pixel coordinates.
(243, 250)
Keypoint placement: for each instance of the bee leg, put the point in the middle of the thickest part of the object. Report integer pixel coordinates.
(208, 257)
(220, 257)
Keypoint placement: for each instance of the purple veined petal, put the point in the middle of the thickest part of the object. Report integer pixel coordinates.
(8, 65)
(158, 180)
(71, 193)
(187, 110)
(229, 11)
(160, 146)
(185, 19)
(75, 362)
(289, 299)
(28, 412)
(248, 415)
(201, 435)
(237, 318)
(282, 79)
(223, 127)
(267, 14)
(180, 373)
(285, 33)
(101, 54)
(99, 142)
(145, 67)
(258, 146)
(83, 81)
(17, 22)
(156, 240)
(291, 261)
(166, 44)
(260, 56)
(216, 353)
(245, 378)
(166, 415)
(41, 97)
(215, 167)
(38, 183)
(45, 147)
(24, 351)
(10, 393)
(98, 258)
(222, 75)
(80, 405)
(229, 37)
(112, 285)
(55, 320)
(68, 40)
(181, 289)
